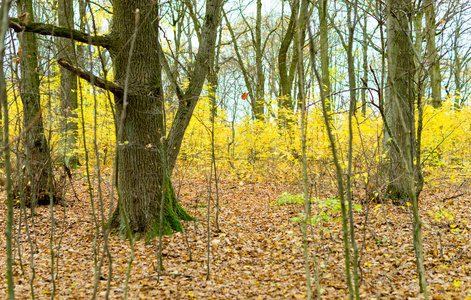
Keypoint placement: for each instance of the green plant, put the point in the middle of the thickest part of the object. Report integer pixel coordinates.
(327, 208)
(287, 198)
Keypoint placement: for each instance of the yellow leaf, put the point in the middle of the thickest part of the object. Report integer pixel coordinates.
(457, 283)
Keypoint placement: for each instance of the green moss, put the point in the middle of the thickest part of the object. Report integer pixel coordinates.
(173, 214)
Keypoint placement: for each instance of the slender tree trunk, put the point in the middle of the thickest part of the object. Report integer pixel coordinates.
(352, 19)
(286, 81)
(419, 79)
(432, 54)
(68, 86)
(260, 84)
(457, 69)
(324, 53)
(302, 21)
(4, 20)
(365, 64)
(38, 157)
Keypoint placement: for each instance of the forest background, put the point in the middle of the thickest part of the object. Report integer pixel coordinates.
(214, 149)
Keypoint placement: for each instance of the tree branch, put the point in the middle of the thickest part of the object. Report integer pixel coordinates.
(59, 31)
(170, 74)
(88, 76)
(192, 93)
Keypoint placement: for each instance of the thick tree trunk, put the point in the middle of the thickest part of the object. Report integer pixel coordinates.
(68, 87)
(139, 155)
(38, 159)
(400, 102)
(139, 160)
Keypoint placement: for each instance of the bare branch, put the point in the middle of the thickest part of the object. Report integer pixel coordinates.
(59, 31)
(88, 76)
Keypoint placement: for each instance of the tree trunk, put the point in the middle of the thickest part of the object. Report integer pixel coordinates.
(286, 81)
(38, 157)
(68, 87)
(260, 85)
(432, 54)
(400, 97)
(324, 51)
(457, 69)
(365, 65)
(140, 169)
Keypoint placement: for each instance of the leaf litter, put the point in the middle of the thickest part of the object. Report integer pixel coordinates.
(257, 255)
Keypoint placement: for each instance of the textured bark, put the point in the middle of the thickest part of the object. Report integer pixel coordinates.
(140, 169)
(139, 162)
(432, 54)
(47, 29)
(400, 96)
(38, 157)
(68, 87)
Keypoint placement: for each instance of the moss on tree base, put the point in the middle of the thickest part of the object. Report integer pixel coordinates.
(173, 214)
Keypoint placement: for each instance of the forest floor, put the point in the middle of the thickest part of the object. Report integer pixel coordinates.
(257, 255)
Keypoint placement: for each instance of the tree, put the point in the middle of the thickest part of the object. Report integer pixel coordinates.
(286, 70)
(400, 96)
(68, 85)
(433, 57)
(38, 158)
(255, 83)
(324, 51)
(137, 87)
(400, 119)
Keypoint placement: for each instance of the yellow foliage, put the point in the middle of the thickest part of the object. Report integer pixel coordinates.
(255, 149)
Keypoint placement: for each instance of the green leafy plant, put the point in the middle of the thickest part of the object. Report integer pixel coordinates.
(287, 198)
(327, 208)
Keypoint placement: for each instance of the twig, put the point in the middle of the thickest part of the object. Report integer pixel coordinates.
(453, 197)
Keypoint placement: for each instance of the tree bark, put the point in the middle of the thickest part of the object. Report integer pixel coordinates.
(138, 99)
(38, 159)
(260, 84)
(400, 96)
(68, 87)
(286, 82)
(139, 159)
(432, 54)
(20, 25)
(198, 76)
